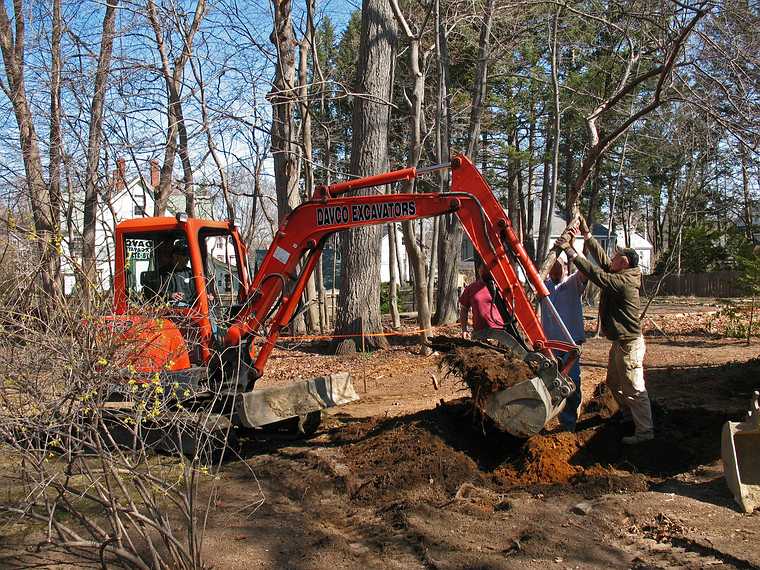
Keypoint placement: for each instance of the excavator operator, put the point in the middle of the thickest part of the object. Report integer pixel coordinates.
(176, 277)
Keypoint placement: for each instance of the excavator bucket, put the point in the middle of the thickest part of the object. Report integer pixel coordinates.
(740, 451)
(270, 405)
(524, 409)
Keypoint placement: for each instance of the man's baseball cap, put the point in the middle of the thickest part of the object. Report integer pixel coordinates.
(630, 253)
(180, 247)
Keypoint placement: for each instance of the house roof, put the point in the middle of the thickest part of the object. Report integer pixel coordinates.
(559, 223)
(640, 242)
(177, 200)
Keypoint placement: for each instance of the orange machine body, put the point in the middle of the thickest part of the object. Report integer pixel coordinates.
(147, 345)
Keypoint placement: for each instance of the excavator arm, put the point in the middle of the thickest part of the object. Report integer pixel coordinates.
(304, 232)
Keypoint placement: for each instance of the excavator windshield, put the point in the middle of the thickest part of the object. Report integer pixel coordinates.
(157, 269)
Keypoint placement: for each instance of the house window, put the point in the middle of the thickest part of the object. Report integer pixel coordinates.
(77, 245)
(139, 208)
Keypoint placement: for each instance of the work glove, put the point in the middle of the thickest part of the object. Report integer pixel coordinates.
(564, 242)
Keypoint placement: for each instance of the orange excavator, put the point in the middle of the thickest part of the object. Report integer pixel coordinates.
(211, 347)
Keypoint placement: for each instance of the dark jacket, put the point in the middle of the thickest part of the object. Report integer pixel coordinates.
(619, 305)
(179, 280)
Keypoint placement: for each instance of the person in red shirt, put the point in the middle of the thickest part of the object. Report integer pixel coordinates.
(477, 297)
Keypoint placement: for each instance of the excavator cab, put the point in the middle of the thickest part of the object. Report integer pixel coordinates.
(192, 272)
(179, 285)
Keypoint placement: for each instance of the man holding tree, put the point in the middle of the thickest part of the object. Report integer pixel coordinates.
(619, 279)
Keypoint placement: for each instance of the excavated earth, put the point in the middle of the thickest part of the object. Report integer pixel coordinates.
(484, 370)
(436, 454)
(411, 476)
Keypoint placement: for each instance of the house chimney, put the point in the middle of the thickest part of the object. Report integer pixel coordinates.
(120, 174)
(155, 173)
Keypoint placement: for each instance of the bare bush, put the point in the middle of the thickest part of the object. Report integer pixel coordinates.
(106, 464)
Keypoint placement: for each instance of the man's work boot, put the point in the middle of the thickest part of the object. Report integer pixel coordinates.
(638, 438)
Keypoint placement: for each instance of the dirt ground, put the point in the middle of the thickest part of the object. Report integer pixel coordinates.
(410, 477)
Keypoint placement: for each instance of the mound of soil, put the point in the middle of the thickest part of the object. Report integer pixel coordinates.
(544, 459)
(432, 454)
(405, 459)
(451, 454)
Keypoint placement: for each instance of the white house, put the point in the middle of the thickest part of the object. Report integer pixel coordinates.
(639, 243)
(127, 197)
(385, 255)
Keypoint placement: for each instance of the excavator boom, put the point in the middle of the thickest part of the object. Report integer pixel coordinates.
(304, 232)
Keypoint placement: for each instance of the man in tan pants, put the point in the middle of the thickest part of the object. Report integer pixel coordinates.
(619, 279)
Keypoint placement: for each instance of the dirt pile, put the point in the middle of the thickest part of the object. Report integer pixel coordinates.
(405, 459)
(432, 454)
(544, 459)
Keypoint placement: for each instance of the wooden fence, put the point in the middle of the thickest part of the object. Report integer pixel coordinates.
(714, 284)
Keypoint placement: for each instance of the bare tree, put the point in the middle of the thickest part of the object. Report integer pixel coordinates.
(92, 180)
(631, 78)
(44, 212)
(312, 299)
(549, 194)
(283, 97)
(56, 144)
(417, 63)
(173, 75)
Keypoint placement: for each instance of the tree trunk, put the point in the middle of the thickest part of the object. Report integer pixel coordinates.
(184, 157)
(89, 253)
(547, 199)
(431, 265)
(450, 245)
(360, 247)
(513, 200)
(528, 238)
(46, 224)
(556, 126)
(414, 247)
(747, 209)
(56, 144)
(310, 293)
(282, 97)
